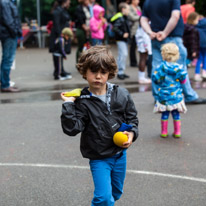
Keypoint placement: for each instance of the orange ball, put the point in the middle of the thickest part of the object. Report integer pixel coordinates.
(119, 138)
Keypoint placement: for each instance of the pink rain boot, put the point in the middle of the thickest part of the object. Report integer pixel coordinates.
(164, 125)
(177, 129)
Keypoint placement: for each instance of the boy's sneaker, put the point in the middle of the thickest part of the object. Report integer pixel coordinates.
(197, 78)
(62, 78)
(204, 74)
(66, 75)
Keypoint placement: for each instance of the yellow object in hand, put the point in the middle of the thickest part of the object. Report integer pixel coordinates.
(119, 138)
(73, 93)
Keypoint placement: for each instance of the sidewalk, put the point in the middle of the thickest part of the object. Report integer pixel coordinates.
(34, 68)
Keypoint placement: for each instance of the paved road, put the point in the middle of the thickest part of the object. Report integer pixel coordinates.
(40, 166)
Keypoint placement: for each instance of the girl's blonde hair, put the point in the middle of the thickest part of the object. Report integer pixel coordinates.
(170, 52)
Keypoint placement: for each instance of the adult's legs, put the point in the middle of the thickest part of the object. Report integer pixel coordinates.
(149, 65)
(8, 55)
(81, 38)
(189, 93)
(156, 60)
(133, 58)
(122, 56)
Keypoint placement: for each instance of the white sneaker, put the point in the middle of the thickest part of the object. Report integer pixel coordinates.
(145, 81)
(204, 74)
(197, 78)
(11, 83)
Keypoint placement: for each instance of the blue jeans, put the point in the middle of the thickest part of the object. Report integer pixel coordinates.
(122, 56)
(108, 176)
(188, 92)
(8, 54)
(96, 42)
(201, 60)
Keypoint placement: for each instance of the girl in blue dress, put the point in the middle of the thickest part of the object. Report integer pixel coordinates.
(169, 76)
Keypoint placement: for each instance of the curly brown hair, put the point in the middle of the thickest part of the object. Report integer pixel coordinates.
(97, 58)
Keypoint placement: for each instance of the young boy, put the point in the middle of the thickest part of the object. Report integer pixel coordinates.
(61, 48)
(122, 34)
(98, 113)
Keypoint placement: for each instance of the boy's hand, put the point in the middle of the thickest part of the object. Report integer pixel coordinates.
(125, 35)
(72, 99)
(130, 138)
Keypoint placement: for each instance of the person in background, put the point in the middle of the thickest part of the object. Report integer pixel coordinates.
(201, 27)
(168, 28)
(187, 8)
(61, 49)
(83, 16)
(110, 9)
(191, 37)
(122, 35)
(91, 5)
(10, 31)
(61, 20)
(134, 17)
(145, 49)
(169, 76)
(98, 25)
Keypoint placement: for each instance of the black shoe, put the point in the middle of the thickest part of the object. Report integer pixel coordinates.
(126, 76)
(197, 101)
(64, 74)
(121, 76)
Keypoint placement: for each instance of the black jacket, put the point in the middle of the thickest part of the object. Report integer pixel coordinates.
(80, 17)
(62, 46)
(10, 25)
(191, 41)
(61, 20)
(90, 116)
(121, 26)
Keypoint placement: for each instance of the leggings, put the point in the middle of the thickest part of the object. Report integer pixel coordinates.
(175, 115)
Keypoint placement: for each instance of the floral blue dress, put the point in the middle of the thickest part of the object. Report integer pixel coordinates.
(168, 77)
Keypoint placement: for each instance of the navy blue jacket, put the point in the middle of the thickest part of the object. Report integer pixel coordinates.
(201, 27)
(10, 25)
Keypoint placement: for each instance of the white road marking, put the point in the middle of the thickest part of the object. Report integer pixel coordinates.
(202, 180)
